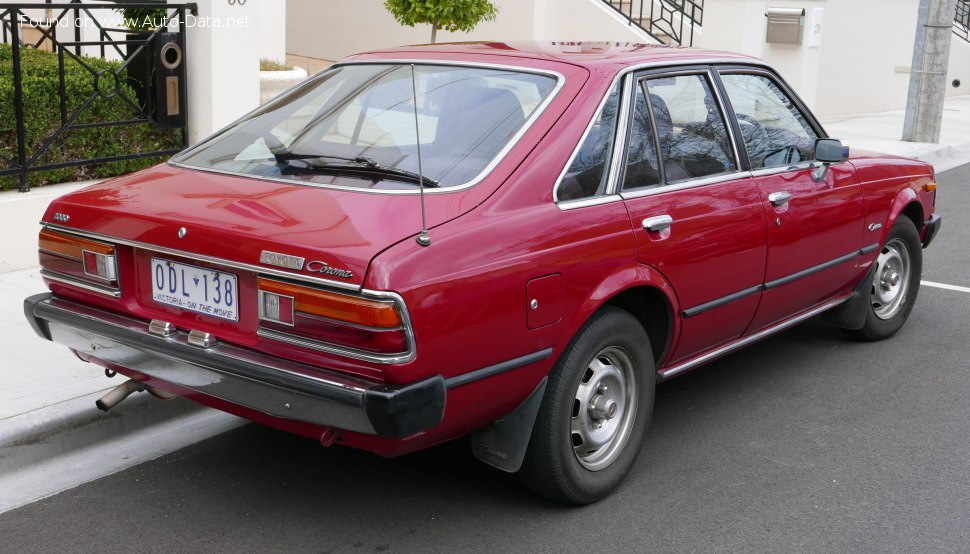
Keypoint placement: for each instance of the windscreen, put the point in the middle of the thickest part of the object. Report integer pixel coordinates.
(355, 126)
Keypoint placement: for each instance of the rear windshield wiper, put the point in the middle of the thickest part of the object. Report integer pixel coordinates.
(360, 163)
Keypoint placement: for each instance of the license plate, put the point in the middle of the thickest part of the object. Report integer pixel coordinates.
(196, 289)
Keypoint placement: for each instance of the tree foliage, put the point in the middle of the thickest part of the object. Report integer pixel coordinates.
(450, 15)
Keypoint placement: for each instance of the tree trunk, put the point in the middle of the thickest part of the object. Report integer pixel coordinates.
(434, 30)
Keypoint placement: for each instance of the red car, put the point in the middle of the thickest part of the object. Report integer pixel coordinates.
(515, 242)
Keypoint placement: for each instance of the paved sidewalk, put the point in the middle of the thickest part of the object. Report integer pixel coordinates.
(881, 132)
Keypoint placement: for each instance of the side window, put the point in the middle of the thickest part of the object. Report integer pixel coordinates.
(587, 176)
(642, 168)
(775, 133)
(694, 141)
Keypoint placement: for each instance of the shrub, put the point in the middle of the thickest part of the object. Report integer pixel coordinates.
(42, 112)
(266, 64)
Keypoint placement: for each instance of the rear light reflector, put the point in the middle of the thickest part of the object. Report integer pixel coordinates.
(276, 308)
(100, 266)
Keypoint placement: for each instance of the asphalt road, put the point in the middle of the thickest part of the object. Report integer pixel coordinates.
(807, 441)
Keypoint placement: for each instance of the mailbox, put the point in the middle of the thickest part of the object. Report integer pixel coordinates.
(785, 25)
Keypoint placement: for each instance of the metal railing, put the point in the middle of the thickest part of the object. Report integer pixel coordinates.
(109, 85)
(671, 22)
(961, 21)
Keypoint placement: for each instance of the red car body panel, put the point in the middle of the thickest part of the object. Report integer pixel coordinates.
(499, 244)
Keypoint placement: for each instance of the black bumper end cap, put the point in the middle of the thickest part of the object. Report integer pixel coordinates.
(399, 412)
(932, 228)
(38, 325)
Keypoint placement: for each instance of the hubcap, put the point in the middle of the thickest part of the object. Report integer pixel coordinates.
(604, 408)
(890, 286)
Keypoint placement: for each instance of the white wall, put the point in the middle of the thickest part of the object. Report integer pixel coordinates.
(272, 29)
(864, 60)
(223, 67)
(333, 29)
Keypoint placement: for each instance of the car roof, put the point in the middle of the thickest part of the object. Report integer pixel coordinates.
(609, 56)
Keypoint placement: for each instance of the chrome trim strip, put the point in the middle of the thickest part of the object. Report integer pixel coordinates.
(768, 171)
(724, 117)
(496, 160)
(684, 185)
(724, 300)
(869, 249)
(496, 369)
(594, 201)
(207, 259)
(74, 282)
(690, 364)
(279, 336)
(620, 140)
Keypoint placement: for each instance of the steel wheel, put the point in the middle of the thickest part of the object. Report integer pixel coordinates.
(595, 411)
(890, 286)
(604, 408)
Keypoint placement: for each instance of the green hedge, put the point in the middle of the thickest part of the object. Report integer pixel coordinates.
(43, 117)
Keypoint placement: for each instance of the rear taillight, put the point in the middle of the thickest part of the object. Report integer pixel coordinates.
(314, 317)
(73, 259)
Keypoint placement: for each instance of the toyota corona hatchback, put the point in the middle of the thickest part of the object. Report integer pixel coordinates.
(508, 241)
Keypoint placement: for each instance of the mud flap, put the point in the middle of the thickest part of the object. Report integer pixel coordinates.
(852, 313)
(502, 444)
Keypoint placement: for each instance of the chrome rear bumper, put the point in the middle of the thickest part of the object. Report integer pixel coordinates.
(271, 385)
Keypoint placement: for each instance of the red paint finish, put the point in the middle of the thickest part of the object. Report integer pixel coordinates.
(821, 222)
(504, 242)
(715, 247)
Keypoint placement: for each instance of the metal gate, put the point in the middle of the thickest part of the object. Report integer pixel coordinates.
(137, 77)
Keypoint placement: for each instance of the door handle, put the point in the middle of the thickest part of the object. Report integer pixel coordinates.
(779, 198)
(657, 224)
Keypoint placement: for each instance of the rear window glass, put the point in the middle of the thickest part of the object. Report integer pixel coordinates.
(355, 126)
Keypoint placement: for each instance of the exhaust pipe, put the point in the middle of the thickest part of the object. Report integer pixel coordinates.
(116, 395)
(119, 393)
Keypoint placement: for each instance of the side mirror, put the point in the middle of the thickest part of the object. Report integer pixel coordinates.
(828, 151)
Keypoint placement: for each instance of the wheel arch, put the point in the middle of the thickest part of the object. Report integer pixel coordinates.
(905, 204)
(644, 293)
(652, 309)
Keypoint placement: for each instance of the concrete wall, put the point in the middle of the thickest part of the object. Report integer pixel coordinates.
(333, 29)
(862, 64)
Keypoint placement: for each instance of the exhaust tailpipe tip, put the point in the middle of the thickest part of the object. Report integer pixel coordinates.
(116, 395)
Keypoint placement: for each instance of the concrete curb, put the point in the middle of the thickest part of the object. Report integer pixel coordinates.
(61, 446)
(22, 211)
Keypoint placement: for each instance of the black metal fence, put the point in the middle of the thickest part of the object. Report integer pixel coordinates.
(669, 21)
(961, 22)
(128, 80)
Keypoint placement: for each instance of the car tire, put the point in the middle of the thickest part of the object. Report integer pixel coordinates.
(595, 411)
(894, 284)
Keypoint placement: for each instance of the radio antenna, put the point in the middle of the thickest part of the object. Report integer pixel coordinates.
(424, 239)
